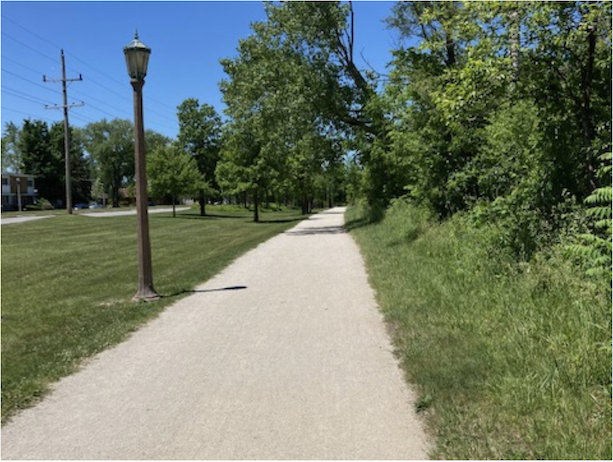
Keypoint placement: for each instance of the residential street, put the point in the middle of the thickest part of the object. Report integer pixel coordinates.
(284, 355)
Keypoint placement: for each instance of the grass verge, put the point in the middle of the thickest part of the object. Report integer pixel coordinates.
(511, 361)
(67, 283)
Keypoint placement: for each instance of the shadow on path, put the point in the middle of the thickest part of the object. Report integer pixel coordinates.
(195, 291)
(317, 231)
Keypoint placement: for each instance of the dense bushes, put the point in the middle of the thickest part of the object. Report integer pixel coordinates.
(501, 109)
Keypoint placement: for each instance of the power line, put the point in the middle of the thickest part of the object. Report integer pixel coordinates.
(29, 31)
(25, 95)
(97, 100)
(26, 113)
(27, 46)
(114, 80)
(28, 80)
(25, 98)
(21, 65)
(83, 118)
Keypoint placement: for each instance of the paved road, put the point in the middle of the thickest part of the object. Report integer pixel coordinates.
(283, 355)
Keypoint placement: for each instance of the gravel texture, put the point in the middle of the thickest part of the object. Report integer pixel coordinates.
(283, 355)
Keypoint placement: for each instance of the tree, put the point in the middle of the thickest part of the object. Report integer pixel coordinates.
(173, 172)
(111, 147)
(494, 109)
(80, 169)
(295, 91)
(11, 154)
(38, 158)
(154, 140)
(200, 136)
(245, 165)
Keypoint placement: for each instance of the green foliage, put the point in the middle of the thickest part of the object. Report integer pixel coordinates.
(595, 248)
(499, 109)
(11, 154)
(38, 158)
(41, 204)
(510, 360)
(111, 147)
(293, 93)
(38, 149)
(173, 172)
(200, 136)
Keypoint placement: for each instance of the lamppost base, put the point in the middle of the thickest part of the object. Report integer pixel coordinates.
(148, 295)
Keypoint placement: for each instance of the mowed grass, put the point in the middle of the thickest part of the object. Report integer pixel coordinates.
(67, 283)
(511, 361)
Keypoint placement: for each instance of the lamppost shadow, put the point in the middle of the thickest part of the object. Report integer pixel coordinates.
(203, 291)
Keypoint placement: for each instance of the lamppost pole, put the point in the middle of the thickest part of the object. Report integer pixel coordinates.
(137, 55)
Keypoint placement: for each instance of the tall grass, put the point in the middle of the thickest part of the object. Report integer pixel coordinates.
(67, 282)
(512, 361)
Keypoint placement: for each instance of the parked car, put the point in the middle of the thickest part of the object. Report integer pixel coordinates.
(95, 205)
(81, 206)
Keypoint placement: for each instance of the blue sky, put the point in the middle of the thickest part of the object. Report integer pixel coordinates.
(187, 40)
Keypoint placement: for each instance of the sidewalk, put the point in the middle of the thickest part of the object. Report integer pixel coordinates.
(130, 212)
(22, 219)
(283, 355)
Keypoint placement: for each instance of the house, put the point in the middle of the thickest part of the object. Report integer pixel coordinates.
(18, 190)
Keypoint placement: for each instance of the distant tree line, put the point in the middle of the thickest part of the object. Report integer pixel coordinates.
(498, 111)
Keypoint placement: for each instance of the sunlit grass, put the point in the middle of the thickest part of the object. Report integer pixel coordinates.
(510, 361)
(67, 282)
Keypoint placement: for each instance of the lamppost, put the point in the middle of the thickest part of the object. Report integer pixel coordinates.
(137, 58)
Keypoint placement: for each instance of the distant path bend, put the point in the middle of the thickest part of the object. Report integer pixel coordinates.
(290, 361)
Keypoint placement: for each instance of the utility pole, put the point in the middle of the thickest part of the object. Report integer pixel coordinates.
(65, 107)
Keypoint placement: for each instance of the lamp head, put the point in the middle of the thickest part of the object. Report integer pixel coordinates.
(137, 58)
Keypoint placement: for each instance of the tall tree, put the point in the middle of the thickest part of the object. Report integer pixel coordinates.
(296, 87)
(111, 147)
(11, 154)
(80, 168)
(172, 172)
(200, 136)
(495, 106)
(38, 158)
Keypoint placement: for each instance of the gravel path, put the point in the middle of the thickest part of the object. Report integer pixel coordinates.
(283, 355)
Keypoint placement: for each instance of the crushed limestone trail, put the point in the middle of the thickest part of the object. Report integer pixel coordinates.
(283, 355)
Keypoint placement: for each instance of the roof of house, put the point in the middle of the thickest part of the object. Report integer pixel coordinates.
(18, 174)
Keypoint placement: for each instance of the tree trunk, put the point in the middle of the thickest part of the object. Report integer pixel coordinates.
(450, 47)
(256, 206)
(202, 201)
(304, 203)
(115, 196)
(174, 213)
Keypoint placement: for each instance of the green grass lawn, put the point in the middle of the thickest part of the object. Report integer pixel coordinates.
(67, 282)
(511, 361)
